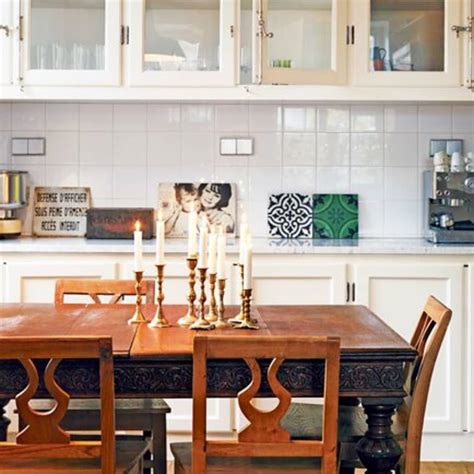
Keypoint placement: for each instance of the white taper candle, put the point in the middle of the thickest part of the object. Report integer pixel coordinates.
(138, 248)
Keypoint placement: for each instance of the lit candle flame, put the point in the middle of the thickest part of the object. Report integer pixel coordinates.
(137, 225)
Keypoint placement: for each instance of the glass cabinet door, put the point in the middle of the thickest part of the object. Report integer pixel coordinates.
(182, 42)
(302, 41)
(7, 35)
(71, 42)
(407, 42)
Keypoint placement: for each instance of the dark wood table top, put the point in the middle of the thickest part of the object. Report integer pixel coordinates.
(360, 330)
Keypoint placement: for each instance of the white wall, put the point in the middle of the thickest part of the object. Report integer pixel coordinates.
(124, 150)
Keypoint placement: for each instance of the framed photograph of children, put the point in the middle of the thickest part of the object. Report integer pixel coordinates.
(217, 202)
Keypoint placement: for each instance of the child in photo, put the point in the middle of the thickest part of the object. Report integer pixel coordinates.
(186, 200)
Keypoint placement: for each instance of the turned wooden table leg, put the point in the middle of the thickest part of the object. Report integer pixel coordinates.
(4, 421)
(378, 450)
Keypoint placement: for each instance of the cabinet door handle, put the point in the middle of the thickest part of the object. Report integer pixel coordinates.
(348, 292)
(6, 29)
(352, 34)
(353, 292)
(348, 34)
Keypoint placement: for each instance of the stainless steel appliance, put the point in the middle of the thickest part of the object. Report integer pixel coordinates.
(13, 196)
(449, 207)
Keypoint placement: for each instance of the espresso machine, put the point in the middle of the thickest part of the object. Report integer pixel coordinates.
(449, 206)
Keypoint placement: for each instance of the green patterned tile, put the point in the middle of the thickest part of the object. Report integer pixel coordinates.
(335, 216)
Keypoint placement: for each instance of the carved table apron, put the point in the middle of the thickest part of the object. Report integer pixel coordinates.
(159, 364)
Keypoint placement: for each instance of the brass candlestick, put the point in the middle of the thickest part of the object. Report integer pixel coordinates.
(138, 317)
(190, 317)
(212, 315)
(221, 322)
(160, 321)
(202, 324)
(247, 322)
(238, 318)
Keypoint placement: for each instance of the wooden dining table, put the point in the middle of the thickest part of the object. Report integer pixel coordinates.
(158, 362)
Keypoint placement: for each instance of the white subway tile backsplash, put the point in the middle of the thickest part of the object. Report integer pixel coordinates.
(5, 116)
(197, 117)
(366, 118)
(96, 117)
(463, 119)
(99, 178)
(129, 147)
(122, 151)
(197, 148)
(401, 183)
(28, 116)
(62, 148)
(401, 149)
(62, 117)
(129, 117)
(367, 182)
(333, 118)
(265, 118)
(333, 149)
(96, 148)
(333, 180)
(163, 117)
(401, 118)
(232, 118)
(267, 150)
(299, 119)
(299, 149)
(263, 181)
(298, 179)
(366, 149)
(434, 118)
(163, 148)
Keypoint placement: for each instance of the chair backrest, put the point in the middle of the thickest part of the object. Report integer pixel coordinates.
(96, 288)
(42, 436)
(264, 437)
(427, 339)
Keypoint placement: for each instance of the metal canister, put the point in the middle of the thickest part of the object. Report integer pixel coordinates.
(13, 193)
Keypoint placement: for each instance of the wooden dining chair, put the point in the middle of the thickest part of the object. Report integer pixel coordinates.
(145, 415)
(43, 445)
(301, 419)
(116, 290)
(263, 446)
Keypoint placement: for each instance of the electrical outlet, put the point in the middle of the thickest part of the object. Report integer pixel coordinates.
(228, 146)
(245, 146)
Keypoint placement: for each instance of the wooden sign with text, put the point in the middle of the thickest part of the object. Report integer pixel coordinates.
(61, 212)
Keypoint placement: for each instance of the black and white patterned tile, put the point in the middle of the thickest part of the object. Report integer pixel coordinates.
(290, 215)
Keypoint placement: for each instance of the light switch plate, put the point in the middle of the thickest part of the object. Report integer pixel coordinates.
(19, 146)
(228, 146)
(454, 145)
(36, 146)
(245, 146)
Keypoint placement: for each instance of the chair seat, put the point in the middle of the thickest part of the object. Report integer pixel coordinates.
(304, 421)
(129, 454)
(237, 465)
(150, 406)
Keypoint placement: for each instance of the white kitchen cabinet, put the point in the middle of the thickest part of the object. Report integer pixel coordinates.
(282, 283)
(181, 43)
(397, 293)
(33, 282)
(407, 43)
(299, 41)
(71, 42)
(8, 35)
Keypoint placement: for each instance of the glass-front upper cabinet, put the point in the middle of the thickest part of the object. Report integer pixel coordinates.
(71, 42)
(407, 42)
(182, 42)
(300, 41)
(7, 34)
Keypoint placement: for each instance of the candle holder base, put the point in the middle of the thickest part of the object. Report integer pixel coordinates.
(212, 315)
(222, 324)
(138, 317)
(248, 324)
(188, 319)
(202, 324)
(237, 319)
(159, 321)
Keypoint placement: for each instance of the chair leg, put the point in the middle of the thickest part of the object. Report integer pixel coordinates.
(147, 456)
(159, 444)
(346, 470)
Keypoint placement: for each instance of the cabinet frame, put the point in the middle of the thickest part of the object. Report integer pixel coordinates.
(450, 77)
(109, 76)
(336, 75)
(225, 76)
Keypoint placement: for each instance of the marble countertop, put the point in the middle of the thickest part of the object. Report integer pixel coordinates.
(261, 246)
